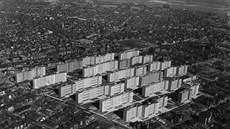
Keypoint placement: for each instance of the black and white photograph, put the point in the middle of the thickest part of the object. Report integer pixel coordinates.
(114, 64)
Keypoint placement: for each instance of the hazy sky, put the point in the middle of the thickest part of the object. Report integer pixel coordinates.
(216, 2)
(211, 5)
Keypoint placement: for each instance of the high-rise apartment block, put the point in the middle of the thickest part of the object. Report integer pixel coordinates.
(134, 83)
